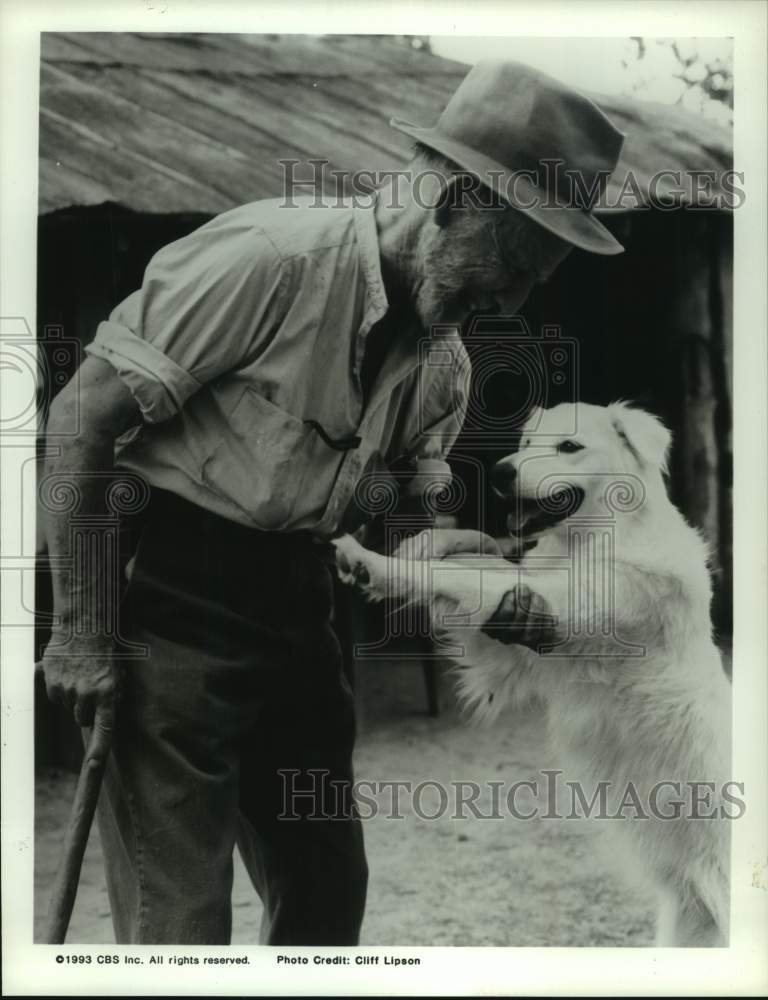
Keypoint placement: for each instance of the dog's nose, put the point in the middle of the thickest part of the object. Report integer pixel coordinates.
(503, 476)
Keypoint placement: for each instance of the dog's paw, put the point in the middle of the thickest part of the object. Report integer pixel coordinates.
(350, 561)
(362, 568)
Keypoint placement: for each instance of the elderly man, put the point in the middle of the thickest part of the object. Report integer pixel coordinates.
(267, 367)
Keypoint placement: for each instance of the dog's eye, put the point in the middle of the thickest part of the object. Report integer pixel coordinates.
(570, 446)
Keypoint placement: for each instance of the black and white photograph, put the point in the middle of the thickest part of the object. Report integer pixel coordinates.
(376, 586)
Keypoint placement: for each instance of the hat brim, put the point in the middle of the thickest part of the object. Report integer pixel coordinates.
(570, 223)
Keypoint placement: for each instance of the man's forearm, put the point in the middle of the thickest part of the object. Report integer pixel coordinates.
(77, 475)
(79, 663)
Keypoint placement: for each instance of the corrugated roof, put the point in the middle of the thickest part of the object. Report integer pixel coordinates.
(180, 123)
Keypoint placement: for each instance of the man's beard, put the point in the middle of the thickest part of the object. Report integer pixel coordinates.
(442, 297)
(438, 305)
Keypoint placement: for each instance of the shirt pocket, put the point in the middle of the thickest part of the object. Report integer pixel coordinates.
(273, 466)
(257, 464)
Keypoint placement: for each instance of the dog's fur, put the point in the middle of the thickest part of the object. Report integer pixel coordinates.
(634, 685)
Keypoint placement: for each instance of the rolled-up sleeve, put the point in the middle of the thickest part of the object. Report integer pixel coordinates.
(208, 302)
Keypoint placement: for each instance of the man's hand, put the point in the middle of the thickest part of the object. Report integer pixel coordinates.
(83, 676)
(523, 618)
(438, 543)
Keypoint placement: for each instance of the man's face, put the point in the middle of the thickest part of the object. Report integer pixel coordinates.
(481, 262)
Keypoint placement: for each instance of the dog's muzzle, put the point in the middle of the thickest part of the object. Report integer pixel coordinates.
(529, 515)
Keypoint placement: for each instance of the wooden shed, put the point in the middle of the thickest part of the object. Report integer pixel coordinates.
(143, 137)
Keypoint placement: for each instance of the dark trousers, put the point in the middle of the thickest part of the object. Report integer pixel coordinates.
(236, 727)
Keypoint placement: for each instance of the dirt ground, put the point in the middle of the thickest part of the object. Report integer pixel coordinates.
(447, 881)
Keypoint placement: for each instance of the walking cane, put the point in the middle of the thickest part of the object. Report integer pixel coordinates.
(79, 827)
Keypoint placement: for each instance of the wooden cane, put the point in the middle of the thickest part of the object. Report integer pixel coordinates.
(79, 827)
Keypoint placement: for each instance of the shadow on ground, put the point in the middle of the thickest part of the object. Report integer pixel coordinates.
(442, 881)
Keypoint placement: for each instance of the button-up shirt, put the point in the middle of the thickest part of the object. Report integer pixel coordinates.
(243, 349)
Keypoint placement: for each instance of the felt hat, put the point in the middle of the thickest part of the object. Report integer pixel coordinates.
(540, 145)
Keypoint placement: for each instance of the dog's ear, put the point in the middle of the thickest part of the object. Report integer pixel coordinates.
(644, 435)
(532, 420)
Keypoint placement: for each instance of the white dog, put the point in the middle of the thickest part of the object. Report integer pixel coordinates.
(607, 619)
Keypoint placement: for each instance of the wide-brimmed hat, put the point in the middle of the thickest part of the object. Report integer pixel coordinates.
(543, 147)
